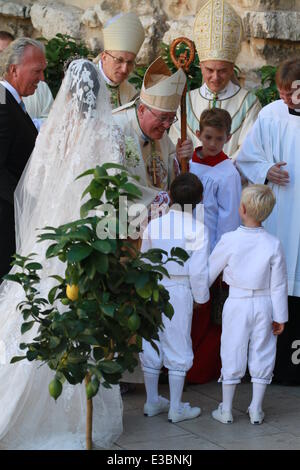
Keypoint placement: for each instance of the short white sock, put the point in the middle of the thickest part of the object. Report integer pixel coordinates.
(176, 384)
(228, 394)
(151, 386)
(258, 393)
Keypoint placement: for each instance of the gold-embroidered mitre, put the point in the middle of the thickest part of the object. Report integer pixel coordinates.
(123, 32)
(218, 31)
(161, 90)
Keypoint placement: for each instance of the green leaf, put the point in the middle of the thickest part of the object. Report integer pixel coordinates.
(54, 342)
(86, 173)
(78, 252)
(33, 266)
(180, 253)
(101, 263)
(108, 166)
(142, 280)
(27, 326)
(12, 277)
(109, 310)
(145, 292)
(88, 206)
(17, 359)
(52, 293)
(31, 355)
(53, 250)
(110, 367)
(58, 278)
(130, 188)
(103, 246)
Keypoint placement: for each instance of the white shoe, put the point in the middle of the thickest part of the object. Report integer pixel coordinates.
(224, 417)
(153, 409)
(186, 411)
(256, 417)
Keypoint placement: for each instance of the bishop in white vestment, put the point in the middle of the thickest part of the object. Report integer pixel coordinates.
(123, 36)
(217, 36)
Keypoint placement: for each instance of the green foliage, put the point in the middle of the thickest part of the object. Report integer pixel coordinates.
(58, 50)
(97, 332)
(268, 91)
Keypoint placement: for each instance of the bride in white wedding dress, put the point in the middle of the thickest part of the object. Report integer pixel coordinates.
(78, 135)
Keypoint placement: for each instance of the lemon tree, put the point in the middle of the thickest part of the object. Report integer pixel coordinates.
(91, 325)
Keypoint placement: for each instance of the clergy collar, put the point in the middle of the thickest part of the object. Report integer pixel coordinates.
(107, 80)
(209, 160)
(294, 112)
(12, 90)
(230, 90)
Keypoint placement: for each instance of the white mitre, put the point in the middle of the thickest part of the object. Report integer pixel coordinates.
(123, 32)
(161, 90)
(218, 32)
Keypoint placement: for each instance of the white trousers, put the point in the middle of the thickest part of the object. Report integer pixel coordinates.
(247, 337)
(175, 344)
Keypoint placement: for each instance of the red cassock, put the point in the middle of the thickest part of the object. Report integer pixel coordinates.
(206, 336)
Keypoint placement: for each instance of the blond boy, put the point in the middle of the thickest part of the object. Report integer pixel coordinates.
(254, 314)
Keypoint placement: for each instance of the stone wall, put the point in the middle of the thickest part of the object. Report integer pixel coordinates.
(272, 27)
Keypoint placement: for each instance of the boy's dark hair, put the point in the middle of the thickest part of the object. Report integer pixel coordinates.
(216, 117)
(5, 35)
(288, 72)
(186, 189)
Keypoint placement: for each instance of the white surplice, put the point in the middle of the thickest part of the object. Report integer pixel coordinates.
(274, 138)
(39, 104)
(221, 197)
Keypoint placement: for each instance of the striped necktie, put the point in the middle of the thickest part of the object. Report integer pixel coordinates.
(215, 99)
(23, 106)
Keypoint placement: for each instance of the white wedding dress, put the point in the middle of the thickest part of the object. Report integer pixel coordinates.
(78, 135)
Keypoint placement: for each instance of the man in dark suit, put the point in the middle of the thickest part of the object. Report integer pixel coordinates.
(21, 65)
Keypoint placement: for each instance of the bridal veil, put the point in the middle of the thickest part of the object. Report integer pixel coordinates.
(79, 134)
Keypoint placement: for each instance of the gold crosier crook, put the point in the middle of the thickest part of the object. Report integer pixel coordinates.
(183, 62)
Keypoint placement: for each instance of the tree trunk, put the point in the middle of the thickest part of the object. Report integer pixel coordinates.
(89, 418)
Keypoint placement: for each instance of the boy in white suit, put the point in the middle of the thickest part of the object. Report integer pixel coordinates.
(253, 265)
(177, 228)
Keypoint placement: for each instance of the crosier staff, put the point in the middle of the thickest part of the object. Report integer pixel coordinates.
(183, 62)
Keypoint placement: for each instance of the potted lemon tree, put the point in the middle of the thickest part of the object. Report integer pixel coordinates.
(91, 325)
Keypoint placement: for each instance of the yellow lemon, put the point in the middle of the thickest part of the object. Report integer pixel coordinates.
(72, 292)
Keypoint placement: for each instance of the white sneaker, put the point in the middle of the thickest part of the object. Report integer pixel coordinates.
(224, 417)
(153, 409)
(186, 411)
(256, 417)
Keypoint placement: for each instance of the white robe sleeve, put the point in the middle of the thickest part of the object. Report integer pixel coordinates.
(228, 201)
(218, 260)
(198, 271)
(39, 104)
(278, 286)
(255, 158)
(247, 125)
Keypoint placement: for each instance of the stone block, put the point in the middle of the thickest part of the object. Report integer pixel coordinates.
(53, 17)
(284, 25)
(182, 27)
(17, 10)
(265, 5)
(91, 19)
